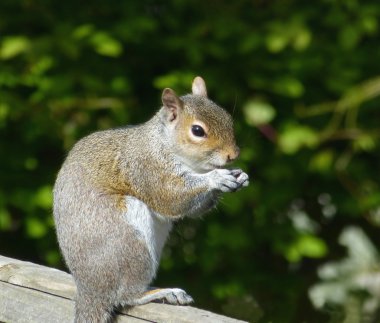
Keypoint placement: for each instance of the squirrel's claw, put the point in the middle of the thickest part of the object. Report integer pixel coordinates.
(243, 179)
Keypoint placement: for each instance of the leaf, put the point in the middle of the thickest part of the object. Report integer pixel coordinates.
(83, 31)
(258, 112)
(276, 41)
(288, 86)
(322, 161)
(365, 142)
(4, 112)
(13, 46)
(295, 137)
(5, 219)
(35, 227)
(302, 39)
(227, 289)
(106, 45)
(44, 197)
(306, 245)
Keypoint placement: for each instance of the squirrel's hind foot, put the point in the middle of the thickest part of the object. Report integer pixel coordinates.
(172, 296)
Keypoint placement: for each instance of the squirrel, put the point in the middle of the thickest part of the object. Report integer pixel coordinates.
(119, 191)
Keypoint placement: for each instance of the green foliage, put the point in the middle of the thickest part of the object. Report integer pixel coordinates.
(353, 282)
(302, 81)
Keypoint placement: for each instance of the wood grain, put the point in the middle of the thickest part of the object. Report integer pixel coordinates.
(34, 293)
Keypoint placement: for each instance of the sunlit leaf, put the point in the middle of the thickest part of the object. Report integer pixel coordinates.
(365, 142)
(306, 246)
(35, 227)
(302, 39)
(53, 257)
(288, 86)
(294, 137)
(83, 31)
(5, 219)
(42, 65)
(227, 290)
(4, 112)
(44, 197)
(13, 46)
(106, 45)
(322, 161)
(276, 42)
(258, 112)
(370, 24)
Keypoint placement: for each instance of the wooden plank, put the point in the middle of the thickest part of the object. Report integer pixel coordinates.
(18, 304)
(34, 293)
(24, 305)
(163, 313)
(38, 277)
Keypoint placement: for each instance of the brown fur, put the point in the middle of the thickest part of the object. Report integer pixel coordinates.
(160, 163)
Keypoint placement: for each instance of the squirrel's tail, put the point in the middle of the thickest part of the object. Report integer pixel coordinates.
(92, 310)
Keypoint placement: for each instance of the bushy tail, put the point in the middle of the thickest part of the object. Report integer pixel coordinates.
(92, 310)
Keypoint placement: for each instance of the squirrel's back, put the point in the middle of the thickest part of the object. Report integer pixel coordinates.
(119, 190)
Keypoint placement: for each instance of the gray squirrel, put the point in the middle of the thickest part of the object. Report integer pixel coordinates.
(120, 190)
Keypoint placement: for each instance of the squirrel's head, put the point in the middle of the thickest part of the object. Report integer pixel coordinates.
(201, 132)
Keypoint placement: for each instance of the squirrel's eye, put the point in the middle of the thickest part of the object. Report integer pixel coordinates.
(198, 131)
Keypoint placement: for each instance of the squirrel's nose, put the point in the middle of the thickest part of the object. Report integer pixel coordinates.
(233, 155)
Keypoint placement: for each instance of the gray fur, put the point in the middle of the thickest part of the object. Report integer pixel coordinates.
(110, 262)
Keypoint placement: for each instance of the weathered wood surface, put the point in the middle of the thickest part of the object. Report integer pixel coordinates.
(33, 293)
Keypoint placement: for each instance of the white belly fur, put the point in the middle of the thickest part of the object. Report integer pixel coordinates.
(152, 227)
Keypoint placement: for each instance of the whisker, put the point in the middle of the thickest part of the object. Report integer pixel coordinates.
(233, 109)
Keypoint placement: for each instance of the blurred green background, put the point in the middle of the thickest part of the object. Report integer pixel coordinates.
(302, 80)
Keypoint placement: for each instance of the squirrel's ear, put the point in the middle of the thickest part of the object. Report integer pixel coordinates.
(199, 87)
(172, 103)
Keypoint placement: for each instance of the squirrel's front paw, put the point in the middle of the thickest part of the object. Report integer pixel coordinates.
(241, 177)
(228, 180)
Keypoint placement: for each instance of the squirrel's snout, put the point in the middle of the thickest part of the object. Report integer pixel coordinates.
(233, 155)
